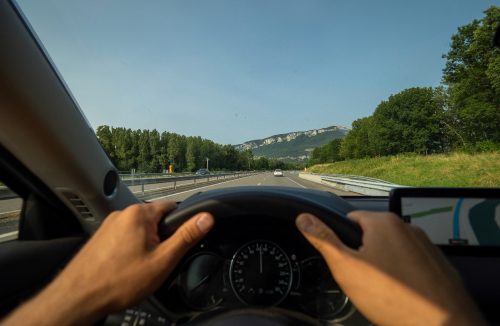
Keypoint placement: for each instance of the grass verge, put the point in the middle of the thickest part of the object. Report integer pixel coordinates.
(438, 170)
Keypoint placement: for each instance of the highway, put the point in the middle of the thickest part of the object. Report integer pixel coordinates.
(10, 208)
(290, 179)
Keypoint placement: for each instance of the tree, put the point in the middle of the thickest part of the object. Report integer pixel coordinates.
(174, 150)
(105, 138)
(122, 142)
(261, 163)
(356, 144)
(155, 151)
(230, 157)
(246, 160)
(472, 73)
(327, 153)
(191, 154)
(163, 157)
(410, 121)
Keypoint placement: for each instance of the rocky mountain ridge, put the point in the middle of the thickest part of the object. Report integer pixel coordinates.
(296, 145)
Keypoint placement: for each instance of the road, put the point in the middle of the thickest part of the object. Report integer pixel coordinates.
(290, 179)
(9, 207)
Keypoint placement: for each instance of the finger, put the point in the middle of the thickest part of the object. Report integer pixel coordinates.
(357, 216)
(362, 217)
(321, 236)
(366, 219)
(158, 209)
(186, 236)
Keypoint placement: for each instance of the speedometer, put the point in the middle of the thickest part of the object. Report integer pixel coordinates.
(260, 273)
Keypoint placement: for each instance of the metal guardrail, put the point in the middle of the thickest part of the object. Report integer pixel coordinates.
(173, 183)
(162, 178)
(154, 178)
(354, 183)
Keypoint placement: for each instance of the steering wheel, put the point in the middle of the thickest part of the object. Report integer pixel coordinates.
(279, 202)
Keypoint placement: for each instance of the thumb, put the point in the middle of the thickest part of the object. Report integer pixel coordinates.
(187, 235)
(321, 237)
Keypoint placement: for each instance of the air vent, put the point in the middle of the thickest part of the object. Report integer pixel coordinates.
(79, 205)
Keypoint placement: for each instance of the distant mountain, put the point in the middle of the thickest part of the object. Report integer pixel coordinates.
(293, 146)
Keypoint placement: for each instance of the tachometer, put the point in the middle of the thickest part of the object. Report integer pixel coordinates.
(321, 296)
(260, 273)
(201, 281)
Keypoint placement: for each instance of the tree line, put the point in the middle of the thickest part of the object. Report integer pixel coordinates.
(150, 151)
(461, 114)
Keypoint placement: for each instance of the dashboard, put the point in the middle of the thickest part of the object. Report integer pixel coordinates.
(259, 262)
(263, 263)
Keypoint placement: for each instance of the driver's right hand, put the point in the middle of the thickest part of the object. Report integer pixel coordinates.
(397, 276)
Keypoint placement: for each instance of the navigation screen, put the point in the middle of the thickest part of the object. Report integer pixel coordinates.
(465, 221)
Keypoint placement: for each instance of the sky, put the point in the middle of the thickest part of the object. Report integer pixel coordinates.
(237, 70)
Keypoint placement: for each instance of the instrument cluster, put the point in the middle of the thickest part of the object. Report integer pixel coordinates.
(254, 266)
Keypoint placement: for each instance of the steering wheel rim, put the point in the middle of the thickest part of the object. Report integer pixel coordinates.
(279, 202)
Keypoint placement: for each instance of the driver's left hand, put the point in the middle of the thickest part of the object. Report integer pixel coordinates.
(120, 265)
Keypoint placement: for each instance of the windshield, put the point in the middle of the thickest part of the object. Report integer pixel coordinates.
(351, 97)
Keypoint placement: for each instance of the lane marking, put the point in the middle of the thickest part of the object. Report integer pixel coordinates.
(191, 190)
(16, 211)
(8, 236)
(296, 183)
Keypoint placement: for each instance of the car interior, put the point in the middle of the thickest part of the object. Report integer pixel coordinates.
(68, 190)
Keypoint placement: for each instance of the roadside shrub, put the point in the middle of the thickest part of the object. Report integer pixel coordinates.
(486, 146)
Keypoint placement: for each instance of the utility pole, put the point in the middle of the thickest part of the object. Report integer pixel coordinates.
(207, 162)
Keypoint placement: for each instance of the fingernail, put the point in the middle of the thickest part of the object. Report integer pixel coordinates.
(305, 223)
(204, 223)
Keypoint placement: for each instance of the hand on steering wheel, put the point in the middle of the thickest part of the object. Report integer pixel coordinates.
(123, 263)
(397, 276)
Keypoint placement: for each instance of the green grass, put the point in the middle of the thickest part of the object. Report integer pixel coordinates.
(438, 170)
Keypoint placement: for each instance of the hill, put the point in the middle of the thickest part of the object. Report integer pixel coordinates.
(438, 170)
(293, 146)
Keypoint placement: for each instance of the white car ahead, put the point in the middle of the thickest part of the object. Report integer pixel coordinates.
(278, 173)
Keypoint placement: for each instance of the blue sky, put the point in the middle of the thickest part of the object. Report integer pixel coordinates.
(233, 70)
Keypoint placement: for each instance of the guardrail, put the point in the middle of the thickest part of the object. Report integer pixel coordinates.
(161, 178)
(173, 183)
(358, 184)
(142, 180)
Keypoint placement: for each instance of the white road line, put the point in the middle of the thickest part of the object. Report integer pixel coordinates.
(16, 211)
(8, 236)
(296, 182)
(191, 190)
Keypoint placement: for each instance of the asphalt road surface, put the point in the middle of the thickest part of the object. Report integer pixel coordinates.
(290, 179)
(10, 205)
